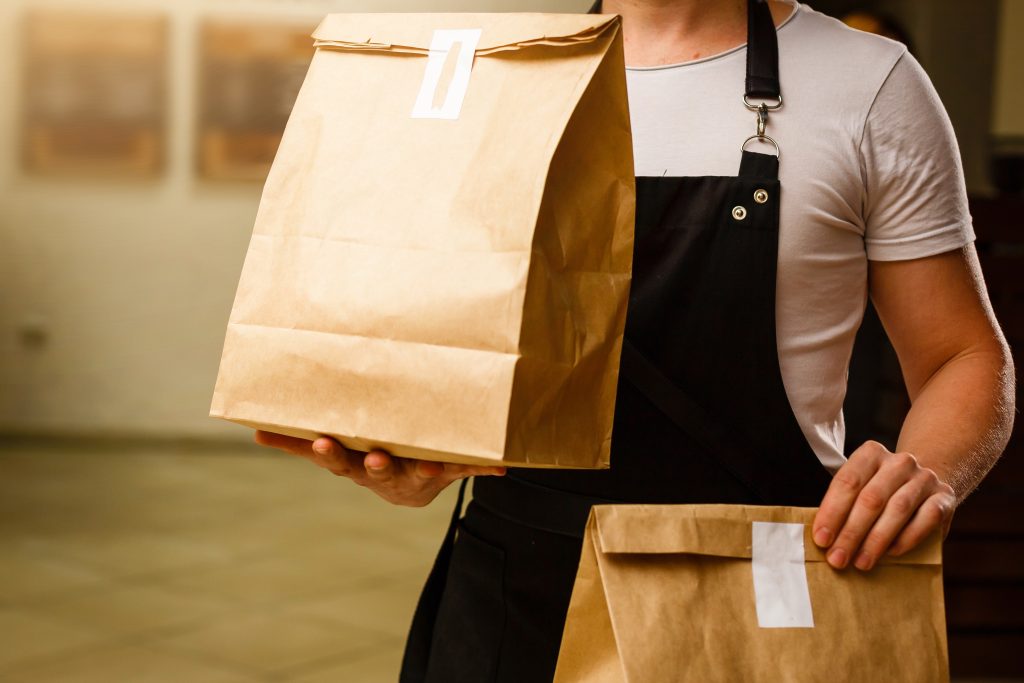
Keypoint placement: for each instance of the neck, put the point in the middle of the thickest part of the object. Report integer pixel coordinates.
(657, 32)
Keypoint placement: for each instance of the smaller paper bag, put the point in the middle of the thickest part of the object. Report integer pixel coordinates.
(728, 593)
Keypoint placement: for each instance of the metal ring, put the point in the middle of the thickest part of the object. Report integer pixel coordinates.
(755, 107)
(778, 152)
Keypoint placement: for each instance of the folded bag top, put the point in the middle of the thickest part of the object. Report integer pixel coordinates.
(719, 530)
(499, 32)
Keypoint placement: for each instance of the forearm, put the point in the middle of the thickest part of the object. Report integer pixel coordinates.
(959, 375)
(961, 418)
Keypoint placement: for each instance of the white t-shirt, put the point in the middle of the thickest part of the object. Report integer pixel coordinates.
(869, 169)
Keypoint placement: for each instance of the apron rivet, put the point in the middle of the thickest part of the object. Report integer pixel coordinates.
(739, 213)
(760, 196)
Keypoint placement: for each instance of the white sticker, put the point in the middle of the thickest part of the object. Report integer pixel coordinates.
(443, 42)
(780, 577)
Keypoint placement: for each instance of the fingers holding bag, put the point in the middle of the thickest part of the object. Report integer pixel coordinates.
(400, 481)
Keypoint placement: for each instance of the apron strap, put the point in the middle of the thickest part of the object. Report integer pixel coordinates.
(421, 633)
(762, 53)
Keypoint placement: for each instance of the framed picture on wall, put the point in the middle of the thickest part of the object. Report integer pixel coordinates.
(250, 74)
(94, 88)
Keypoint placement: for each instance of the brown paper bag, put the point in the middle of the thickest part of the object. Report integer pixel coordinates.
(709, 593)
(441, 260)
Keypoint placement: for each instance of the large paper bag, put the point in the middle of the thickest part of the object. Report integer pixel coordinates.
(723, 593)
(441, 260)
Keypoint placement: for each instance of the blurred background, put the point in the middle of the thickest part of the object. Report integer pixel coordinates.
(142, 540)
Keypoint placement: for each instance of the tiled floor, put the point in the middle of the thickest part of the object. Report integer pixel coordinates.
(132, 564)
(201, 564)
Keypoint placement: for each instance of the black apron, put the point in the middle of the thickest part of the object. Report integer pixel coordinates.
(701, 416)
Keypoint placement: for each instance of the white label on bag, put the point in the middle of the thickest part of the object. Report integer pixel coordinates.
(431, 104)
(780, 578)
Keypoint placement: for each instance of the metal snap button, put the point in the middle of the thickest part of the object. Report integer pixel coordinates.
(760, 196)
(739, 213)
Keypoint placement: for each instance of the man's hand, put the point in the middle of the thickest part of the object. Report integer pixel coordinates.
(880, 501)
(401, 481)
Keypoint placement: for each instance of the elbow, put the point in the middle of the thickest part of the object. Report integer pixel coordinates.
(1005, 390)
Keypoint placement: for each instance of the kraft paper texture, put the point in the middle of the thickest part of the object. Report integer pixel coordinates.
(667, 593)
(451, 289)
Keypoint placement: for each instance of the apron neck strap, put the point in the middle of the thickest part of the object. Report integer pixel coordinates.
(762, 51)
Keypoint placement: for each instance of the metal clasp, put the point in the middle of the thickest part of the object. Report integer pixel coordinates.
(762, 110)
(762, 138)
(770, 107)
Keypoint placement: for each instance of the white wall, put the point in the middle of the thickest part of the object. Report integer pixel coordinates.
(133, 281)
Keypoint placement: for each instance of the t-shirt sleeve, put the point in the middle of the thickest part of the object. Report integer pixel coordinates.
(915, 202)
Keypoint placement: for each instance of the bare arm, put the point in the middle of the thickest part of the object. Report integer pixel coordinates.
(959, 374)
(962, 384)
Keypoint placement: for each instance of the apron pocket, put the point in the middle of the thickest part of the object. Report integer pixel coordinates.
(471, 620)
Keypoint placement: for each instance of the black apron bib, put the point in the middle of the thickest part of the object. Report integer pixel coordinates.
(702, 416)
